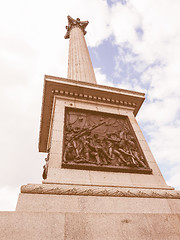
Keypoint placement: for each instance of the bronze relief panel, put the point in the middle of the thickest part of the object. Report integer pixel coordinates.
(101, 141)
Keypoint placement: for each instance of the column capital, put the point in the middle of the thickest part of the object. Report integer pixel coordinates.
(75, 23)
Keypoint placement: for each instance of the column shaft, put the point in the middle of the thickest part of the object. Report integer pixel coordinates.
(79, 62)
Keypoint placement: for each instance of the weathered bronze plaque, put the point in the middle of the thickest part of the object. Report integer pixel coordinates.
(101, 141)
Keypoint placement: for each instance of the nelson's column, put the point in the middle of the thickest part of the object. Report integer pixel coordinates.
(100, 178)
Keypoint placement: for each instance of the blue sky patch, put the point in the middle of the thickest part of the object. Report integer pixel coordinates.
(111, 2)
(139, 32)
(104, 55)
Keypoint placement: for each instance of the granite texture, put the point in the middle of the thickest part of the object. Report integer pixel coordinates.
(31, 225)
(95, 204)
(88, 226)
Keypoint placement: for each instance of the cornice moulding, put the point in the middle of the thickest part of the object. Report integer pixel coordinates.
(72, 89)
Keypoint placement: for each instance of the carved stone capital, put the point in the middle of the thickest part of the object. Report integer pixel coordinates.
(75, 23)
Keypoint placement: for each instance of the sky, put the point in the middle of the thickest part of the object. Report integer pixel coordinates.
(133, 44)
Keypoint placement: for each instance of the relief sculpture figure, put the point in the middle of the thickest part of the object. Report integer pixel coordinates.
(91, 140)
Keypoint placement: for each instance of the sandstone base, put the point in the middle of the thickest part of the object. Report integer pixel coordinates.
(92, 213)
(93, 199)
(94, 204)
(88, 226)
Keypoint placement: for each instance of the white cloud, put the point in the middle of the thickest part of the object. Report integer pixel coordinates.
(32, 44)
(101, 78)
(124, 21)
(156, 56)
(174, 179)
(8, 198)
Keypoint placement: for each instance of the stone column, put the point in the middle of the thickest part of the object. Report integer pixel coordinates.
(79, 62)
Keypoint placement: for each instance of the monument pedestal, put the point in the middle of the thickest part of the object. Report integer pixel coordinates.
(130, 203)
(92, 203)
(93, 138)
(54, 211)
(88, 226)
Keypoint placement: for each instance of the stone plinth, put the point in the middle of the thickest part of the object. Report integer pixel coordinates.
(88, 226)
(50, 211)
(90, 204)
(93, 199)
(60, 94)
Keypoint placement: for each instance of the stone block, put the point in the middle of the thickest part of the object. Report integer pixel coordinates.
(155, 168)
(68, 176)
(151, 181)
(135, 126)
(124, 226)
(140, 135)
(91, 204)
(31, 226)
(144, 145)
(59, 124)
(57, 135)
(56, 147)
(101, 178)
(59, 108)
(107, 109)
(174, 205)
(54, 160)
(149, 156)
(110, 178)
(58, 115)
(85, 105)
(88, 226)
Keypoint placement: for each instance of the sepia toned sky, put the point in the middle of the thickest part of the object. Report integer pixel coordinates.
(133, 44)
